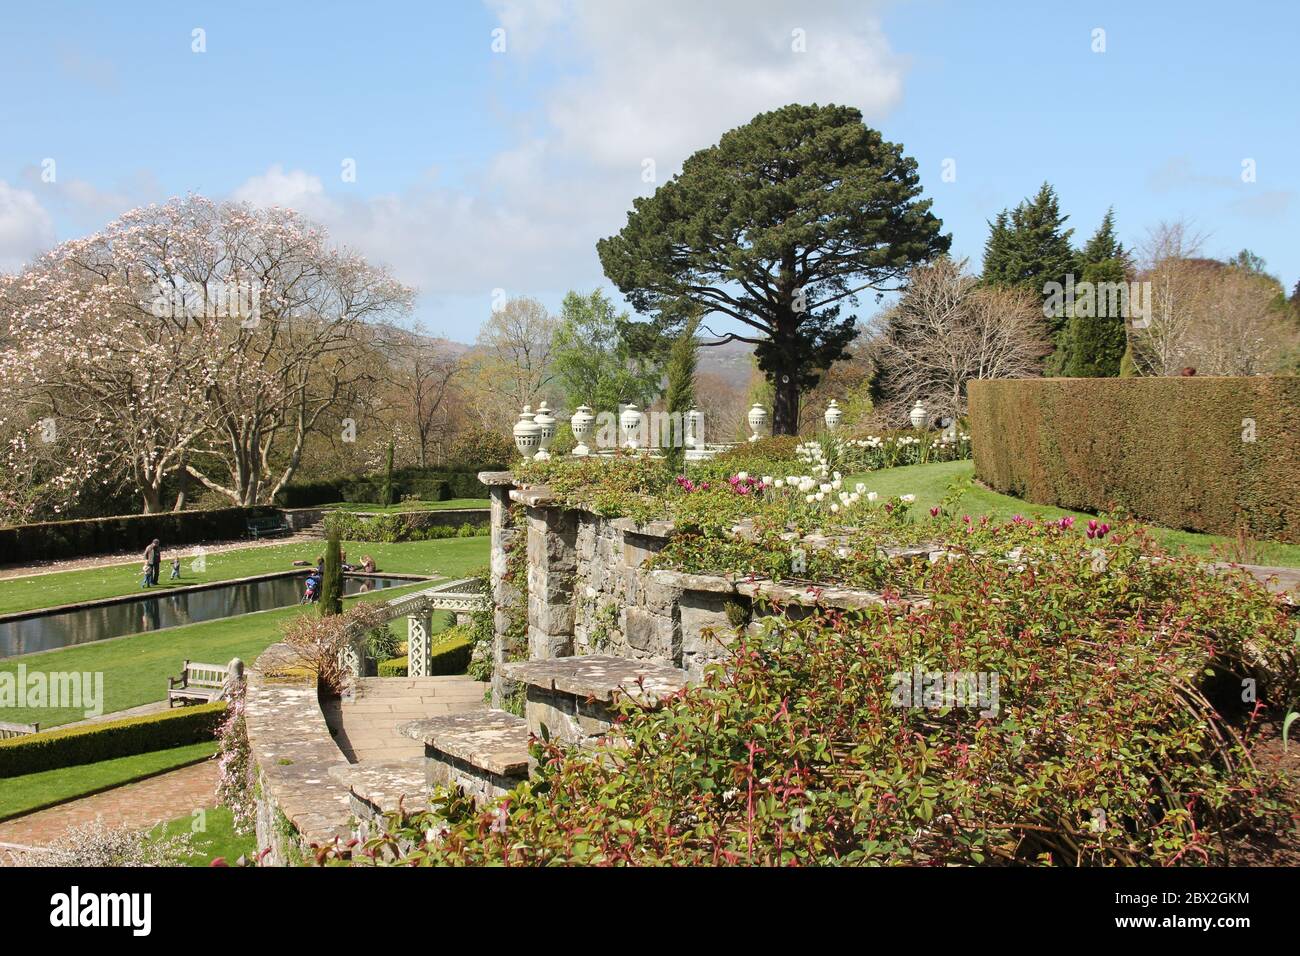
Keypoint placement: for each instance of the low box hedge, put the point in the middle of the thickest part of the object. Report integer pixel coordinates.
(449, 656)
(1172, 451)
(90, 743)
(52, 540)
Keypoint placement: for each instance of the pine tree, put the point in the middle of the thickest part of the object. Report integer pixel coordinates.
(682, 360)
(1029, 248)
(386, 493)
(331, 585)
(1094, 344)
(997, 251)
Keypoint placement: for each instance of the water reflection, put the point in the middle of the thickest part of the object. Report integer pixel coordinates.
(65, 628)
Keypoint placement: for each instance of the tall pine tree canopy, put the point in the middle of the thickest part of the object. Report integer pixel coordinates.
(778, 227)
(1030, 246)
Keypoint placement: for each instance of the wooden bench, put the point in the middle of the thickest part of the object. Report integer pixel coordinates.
(8, 730)
(267, 527)
(205, 682)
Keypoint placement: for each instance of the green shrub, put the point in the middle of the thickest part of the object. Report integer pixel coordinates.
(52, 540)
(449, 655)
(1168, 450)
(382, 644)
(427, 484)
(1117, 735)
(403, 526)
(52, 749)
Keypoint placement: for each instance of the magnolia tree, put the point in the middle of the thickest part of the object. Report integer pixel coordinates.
(190, 338)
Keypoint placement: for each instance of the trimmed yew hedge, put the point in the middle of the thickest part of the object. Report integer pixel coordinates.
(1168, 450)
(52, 540)
(90, 743)
(425, 484)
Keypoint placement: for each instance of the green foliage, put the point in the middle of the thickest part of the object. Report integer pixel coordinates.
(401, 526)
(450, 654)
(54, 540)
(386, 494)
(1168, 450)
(426, 484)
(382, 644)
(593, 359)
(331, 585)
(774, 227)
(1117, 736)
(1094, 344)
(1028, 248)
(88, 743)
(682, 361)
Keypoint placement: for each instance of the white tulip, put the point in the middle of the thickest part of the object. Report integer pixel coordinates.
(907, 499)
(872, 496)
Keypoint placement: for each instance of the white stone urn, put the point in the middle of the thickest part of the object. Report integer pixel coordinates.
(527, 434)
(630, 421)
(694, 428)
(582, 423)
(834, 415)
(545, 423)
(918, 414)
(757, 421)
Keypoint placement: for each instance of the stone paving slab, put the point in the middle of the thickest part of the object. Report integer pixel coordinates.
(491, 740)
(600, 677)
(385, 784)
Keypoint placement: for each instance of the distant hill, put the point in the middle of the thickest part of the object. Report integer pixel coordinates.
(732, 362)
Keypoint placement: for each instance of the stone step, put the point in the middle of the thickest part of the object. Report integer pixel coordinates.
(485, 752)
(600, 677)
(569, 699)
(379, 787)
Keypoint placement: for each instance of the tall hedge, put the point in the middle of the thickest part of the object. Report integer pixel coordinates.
(428, 485)
(1172, 451)
(50, 540)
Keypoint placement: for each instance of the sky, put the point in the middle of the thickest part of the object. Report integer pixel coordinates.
(495, 141)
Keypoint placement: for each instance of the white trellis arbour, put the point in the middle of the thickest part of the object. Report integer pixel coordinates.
(462, 596)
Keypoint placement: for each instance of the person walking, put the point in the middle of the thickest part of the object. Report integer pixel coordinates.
(152, 562)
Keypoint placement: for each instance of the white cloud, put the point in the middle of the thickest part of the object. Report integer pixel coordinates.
(295, 189)
(666, 79)
(26, 229)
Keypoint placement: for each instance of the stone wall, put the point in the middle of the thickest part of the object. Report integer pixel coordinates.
(589, 590)
(301, 798)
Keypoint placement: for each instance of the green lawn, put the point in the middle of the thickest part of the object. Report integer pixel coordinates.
(449, 504)
(19, 795)
(135, 668)
(449, 556)
(930, 483)
(213, 834)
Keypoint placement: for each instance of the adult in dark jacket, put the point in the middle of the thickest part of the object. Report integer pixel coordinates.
(153, 560)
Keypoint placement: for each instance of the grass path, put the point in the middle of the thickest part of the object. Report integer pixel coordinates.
(135, 668)
(92, 584)
(931, 482)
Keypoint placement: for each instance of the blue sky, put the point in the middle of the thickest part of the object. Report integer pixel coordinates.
(480, 170)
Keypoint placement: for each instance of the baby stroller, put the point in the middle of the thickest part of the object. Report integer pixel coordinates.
(311, 593)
